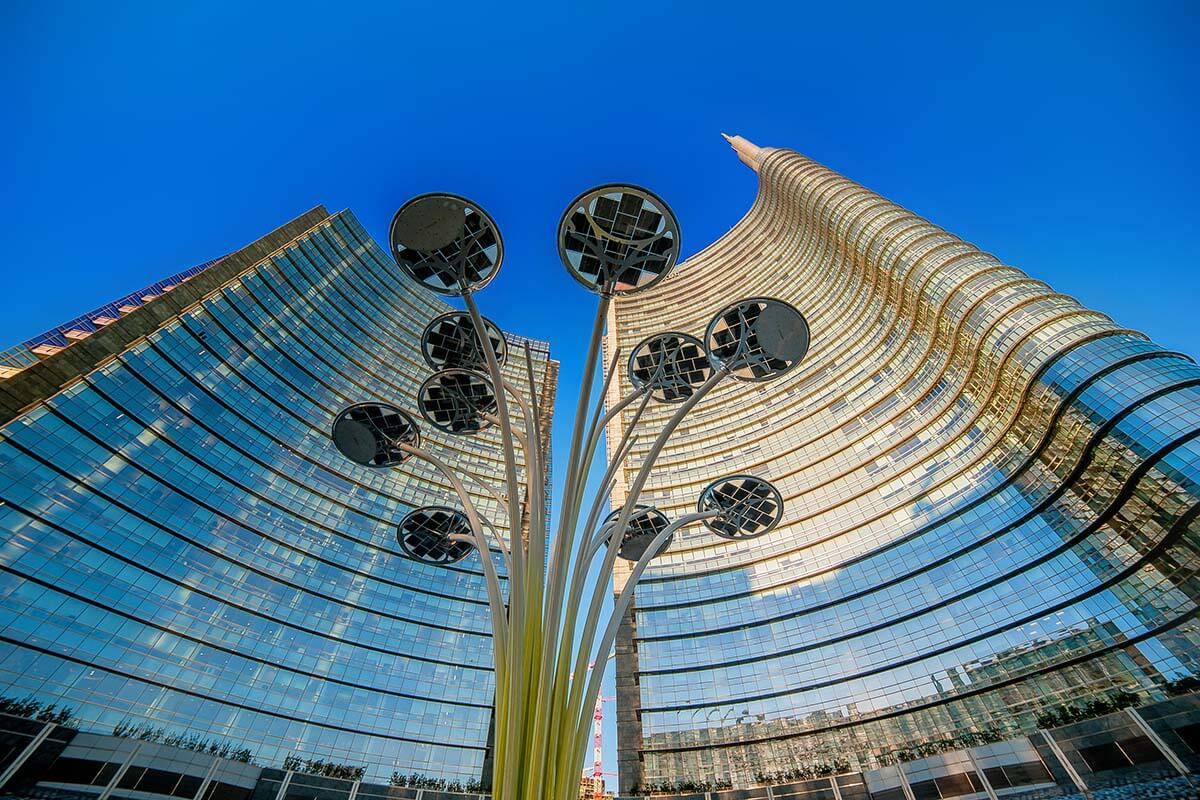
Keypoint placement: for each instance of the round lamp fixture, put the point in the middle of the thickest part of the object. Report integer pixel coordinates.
(748, 506)
(457, 401)
(369, 434)
(425, 535)
(645, 523)
(446, 243)
(757, 339)
(618, 239)
(450, 341)
(671, 365)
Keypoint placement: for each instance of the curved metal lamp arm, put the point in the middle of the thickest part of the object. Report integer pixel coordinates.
(506, 433)
(578, 473)
(564, 535)
(536, 498)
(495, 594)
(635, 491)
(578, 470)
(492, 491)
(532, 461)
(614, 623)
(609, 479)
(558, 563)
(523, 437)
(507, 730)
(499, 540)
(500, 501)
(526, 413)
(532, 471)
(599, 540)
(559, 687)
(606, 487)
(517, 433)
(465, 539)
(585, 388)
(583, 557)
(618, 407)
(597, 599)
(643, 473)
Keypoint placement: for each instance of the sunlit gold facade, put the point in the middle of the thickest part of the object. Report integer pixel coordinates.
(991, 497)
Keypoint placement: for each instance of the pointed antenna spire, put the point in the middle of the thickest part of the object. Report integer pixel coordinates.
(746, 150)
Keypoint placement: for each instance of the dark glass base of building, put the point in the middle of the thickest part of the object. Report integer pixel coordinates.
(1151, 751)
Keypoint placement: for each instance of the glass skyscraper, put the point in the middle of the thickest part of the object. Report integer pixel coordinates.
(183, 547)
(991, 496)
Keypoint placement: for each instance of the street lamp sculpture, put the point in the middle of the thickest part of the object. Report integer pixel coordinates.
(615, 240)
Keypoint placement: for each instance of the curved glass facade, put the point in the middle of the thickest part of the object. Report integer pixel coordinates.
(184, 548)
(991, 503)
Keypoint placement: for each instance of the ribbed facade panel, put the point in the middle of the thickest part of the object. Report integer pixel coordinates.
(184, 548)
(991, 497)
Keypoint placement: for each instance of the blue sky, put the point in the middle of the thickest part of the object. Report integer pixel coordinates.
(139, 139)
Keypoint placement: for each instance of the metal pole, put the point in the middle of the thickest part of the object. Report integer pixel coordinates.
(616, 458)
(495, 595)
(1067, 766)
(517, 584)
(283, 787)
(569, 614)
(108, 790)
(208, 777)
(619, 608)
(1162, 746)
(29, 750)
(987, 785)
(642, 475)
(569, 728)
(559, 628)
(561, 550)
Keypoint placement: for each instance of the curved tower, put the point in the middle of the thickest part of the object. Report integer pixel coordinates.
(991, 498)
(184, 549)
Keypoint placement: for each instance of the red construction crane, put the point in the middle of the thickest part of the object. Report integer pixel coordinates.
(597, 775)
(598, 748)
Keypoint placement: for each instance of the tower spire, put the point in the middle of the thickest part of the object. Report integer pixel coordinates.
(746, 150)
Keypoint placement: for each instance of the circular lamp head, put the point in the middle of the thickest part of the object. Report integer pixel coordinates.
(645, 523)
(618, 239)
(748, 506)
(446, 243)
(450, 341)
(757, 339)
(456, 400)
(672, 365)
(369, 434)
(425, 535)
